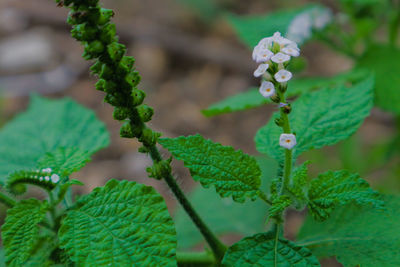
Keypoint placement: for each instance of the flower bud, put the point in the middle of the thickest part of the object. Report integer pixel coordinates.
(275, 98)
(145, 112)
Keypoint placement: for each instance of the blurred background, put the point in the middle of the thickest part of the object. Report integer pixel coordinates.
(189, 57)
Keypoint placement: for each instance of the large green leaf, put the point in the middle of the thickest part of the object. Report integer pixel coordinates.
(20, 231)
(252, 98)
(120, 224)
(320, 118)
(45, 127)
(331, 189)
(385, 62)
(208, 10)
(233, 173)
(266, 250)
(252, 29)
(366, 237)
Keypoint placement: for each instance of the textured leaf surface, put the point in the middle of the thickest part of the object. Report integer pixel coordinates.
(120, 224)
(320, 118)
(384, 61)
(252, 29)
(366, 236)
(45, 127)
(20, 231)
(223, 216)
(65, 161)
(252, 98)
(233, 173)
(331, 189)
(264, 250)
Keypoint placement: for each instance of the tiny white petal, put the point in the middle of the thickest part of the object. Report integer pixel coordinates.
(262, 68)
(280, 58)
(283, 76)
(40, 178)
(47, 170)
(55, 178)
(287, 141)
(291, 51)
(267, 89)
(282, 41)
(263, 55)
(47, 178)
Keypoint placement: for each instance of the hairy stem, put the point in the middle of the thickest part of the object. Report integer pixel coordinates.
(215, 244)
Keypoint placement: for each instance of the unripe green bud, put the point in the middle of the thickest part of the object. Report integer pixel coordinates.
(112, 100)
(116, 51)
(77, 17)
(105, 16)
(287, 109)
(96, 67)
(106, 72)
(143, 150)
(145, 112)
(100, 85)
(120, 113)
(278, 121)
(125, 65)
(275, 98)
(138, 97)
(93, 49)
(149, 137)
(126, 131)
(84, 32)
(108, 34)
(159, 169)
(133, 78)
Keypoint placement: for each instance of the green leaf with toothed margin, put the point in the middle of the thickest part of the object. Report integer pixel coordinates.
(45, 128)
(320, 118)
(20, 231)
(120, 224)
(357, 236)
(332, 189)
(233, 173)
(265, 249)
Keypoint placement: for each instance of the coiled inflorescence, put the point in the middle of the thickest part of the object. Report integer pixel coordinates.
(117, 75)
(46, 179)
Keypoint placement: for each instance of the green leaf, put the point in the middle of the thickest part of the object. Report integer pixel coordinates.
(265, 250)
(320, 118)
(384, 60)
(65, 161)
(252, 29)
(46, 127)
(233, 173)
(223, 216)
(331, 189)
(120, 224)
(299, 184)
(357, 236)
(252, 98)
(20, 231)
(242, 101)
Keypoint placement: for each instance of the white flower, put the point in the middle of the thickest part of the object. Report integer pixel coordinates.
(283, 76)
(55, 178)
(280, 58)
(262, 68)
(282, 41)
(48, 170)
(287, 141)
(47, 178)
(290, 50)
(267, 89)
(263, 55)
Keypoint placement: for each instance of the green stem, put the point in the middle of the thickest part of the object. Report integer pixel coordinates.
(288, 152)
(277, 230)
(215, 244)
(8, 201)
(195, 259)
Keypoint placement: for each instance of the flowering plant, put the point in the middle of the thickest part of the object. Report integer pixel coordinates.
(127, 224)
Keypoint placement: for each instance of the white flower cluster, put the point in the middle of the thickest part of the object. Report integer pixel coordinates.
(274, 51)
(54, 178)
(301, 27)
